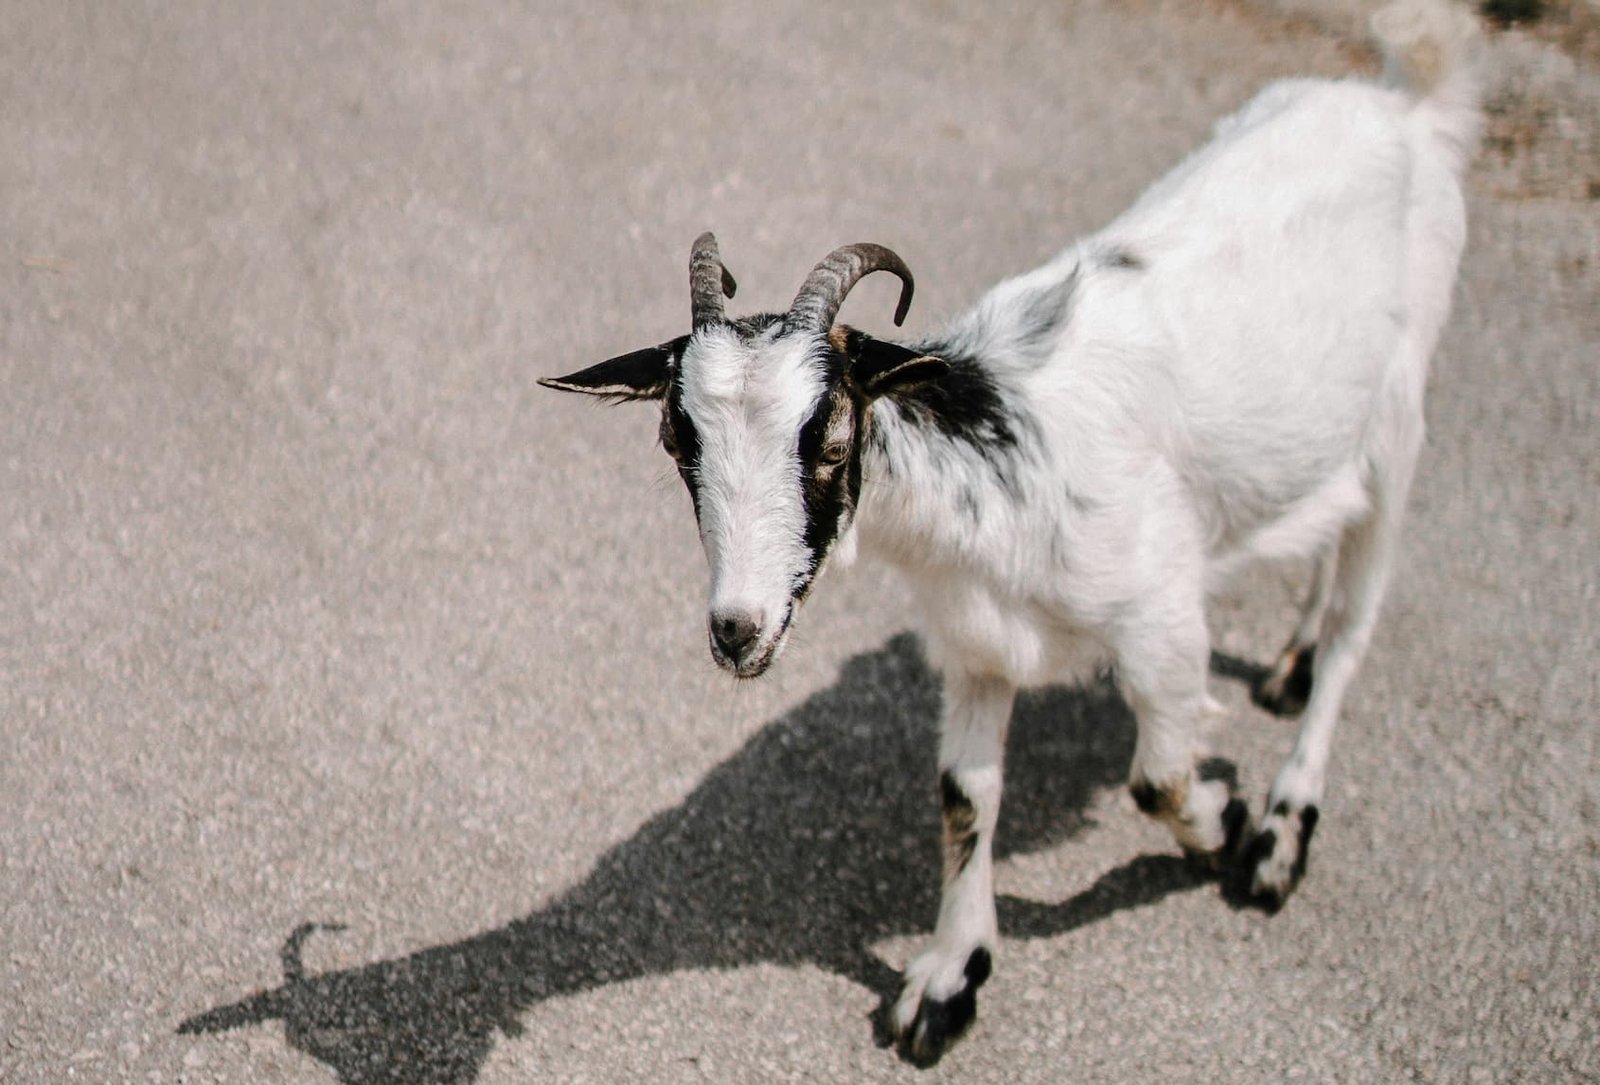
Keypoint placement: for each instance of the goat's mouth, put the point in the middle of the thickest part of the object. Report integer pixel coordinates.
(753, 662)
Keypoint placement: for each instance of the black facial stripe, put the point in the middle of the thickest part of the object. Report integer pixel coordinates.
(688, 440)
(830, 491)
(814, 434)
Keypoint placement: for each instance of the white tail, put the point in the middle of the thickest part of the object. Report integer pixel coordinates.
(1431, 50)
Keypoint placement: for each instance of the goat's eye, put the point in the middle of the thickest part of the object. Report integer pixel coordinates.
(669, 440)
(834, 455)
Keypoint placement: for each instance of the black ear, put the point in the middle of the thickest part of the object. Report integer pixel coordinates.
(881, 368)
(640, 374)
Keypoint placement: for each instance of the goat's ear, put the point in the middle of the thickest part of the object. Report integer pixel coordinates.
(639, 374)
(881, 368)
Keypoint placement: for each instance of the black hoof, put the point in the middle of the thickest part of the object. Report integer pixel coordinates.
(1308, 827)
(940, 1022)
(1236, 822)
(1236, 829)
(1267, 874)
(1287, 689)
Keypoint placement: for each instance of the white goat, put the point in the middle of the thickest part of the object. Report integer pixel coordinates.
(1231, 370)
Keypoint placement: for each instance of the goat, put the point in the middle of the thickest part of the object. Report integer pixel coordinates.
(1232, 370)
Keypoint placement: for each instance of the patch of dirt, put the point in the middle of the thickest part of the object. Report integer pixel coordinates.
(1542, 139)
(1533, 148)
(1573, 26)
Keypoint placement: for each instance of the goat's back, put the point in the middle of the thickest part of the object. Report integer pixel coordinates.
(1271, 300)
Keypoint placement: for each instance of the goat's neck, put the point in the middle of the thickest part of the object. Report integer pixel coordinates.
(939, 461)
(948, 463)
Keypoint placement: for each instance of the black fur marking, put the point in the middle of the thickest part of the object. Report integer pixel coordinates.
(960, 826)
(1218, 768)
(1122, 259)
(1235, 822)
(1260, 849)
(980, 965)
(967, 502)
(964, 404)
(756, 324)
(1290, 696)
(677, 421)
(1504, 13)
(1046, 312)
(1159, 802)
(1308, 825)
(1271, 899)
(1298, 688)
(639, 374)
(1235, 831)
(940, 1022)
(830, 491)
(1146, 797)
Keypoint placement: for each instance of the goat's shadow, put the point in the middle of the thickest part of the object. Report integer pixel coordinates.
(818, 838)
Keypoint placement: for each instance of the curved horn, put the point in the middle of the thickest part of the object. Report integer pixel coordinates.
(825, 288)
(708, 281)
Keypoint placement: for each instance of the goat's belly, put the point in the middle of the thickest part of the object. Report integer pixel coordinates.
(1306, 526)
(972, 629)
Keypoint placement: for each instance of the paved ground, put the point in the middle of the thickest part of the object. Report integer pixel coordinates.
(356, 720)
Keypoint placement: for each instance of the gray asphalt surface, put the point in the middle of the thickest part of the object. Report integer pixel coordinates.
(355, 718)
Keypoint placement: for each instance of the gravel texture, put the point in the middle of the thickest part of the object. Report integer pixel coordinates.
(356, 723)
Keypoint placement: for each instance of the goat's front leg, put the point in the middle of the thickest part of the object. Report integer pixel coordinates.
(939, 999)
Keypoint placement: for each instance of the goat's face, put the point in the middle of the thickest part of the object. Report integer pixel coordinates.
(766, 431)
(765, 418)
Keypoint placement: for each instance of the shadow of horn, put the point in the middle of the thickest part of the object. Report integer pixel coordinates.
(265, 1005)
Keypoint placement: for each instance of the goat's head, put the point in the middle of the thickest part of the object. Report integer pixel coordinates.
(765, 417)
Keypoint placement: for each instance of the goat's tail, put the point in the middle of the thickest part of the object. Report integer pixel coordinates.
(1432, 51)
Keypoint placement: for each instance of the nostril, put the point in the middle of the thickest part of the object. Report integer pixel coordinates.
(734, 632)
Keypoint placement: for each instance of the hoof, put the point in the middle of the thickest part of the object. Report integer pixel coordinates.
(1275, 860)
(1205, 816)
(926, 1024)
(1236, 834)
(1287, 689)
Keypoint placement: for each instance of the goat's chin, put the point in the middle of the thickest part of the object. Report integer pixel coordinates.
(754, 667)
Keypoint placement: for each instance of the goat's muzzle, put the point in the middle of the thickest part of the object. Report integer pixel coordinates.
(743, 642)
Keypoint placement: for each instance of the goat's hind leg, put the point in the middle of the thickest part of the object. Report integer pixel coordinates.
(1275, 860)
(939, 997)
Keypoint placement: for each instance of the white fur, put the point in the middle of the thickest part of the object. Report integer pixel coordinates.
(1239, 377)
